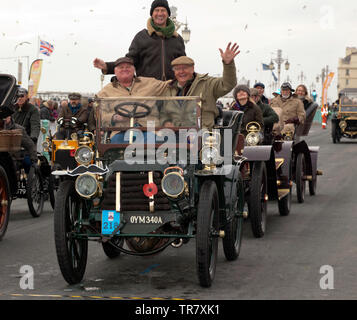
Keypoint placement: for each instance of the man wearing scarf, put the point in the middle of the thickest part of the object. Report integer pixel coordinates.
(73, 109)
(154, 48)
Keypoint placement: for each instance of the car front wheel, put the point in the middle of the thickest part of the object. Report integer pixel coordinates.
(207, 233)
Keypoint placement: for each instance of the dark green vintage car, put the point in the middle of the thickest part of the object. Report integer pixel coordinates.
(19, 177)
(157, 180)
(344, 117)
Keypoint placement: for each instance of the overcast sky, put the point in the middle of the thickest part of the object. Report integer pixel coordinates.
(311, 33)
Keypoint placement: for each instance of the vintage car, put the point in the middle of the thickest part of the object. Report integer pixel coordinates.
(156, 180)
(18, 178)
(267, 176)
(304, 157)
(271, 170)
(63, 154)
(344, 117)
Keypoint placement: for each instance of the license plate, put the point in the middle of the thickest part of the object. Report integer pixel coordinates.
(110, 221)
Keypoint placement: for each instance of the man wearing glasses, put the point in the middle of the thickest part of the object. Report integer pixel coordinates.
(27, 115)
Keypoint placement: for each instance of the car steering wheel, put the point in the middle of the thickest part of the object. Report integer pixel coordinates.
(119, 109)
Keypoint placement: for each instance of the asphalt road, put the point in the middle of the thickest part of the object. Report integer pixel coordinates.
(285, 264)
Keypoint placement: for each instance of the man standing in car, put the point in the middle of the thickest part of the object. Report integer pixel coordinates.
(27, 115)
(153, 49)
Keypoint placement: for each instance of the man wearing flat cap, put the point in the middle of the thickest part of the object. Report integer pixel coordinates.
(189, 83)
(153, 49)
(27, 115)
(7, 123)
(125, 83)
(261, 88)
(73, 109)
(292, 108)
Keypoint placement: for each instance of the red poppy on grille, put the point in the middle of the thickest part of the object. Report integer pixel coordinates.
(150, 189)
(72, 152)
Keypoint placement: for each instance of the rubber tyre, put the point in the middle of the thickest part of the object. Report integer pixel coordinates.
(109, 250)
(71, 253)
(257, 204)
(51, 191)
(299, 177)
(313, 186)
(285, 205)
(232, 240)
(35, 192)
(5, 202)
(207, 223)
(333, 132)
(336, 138)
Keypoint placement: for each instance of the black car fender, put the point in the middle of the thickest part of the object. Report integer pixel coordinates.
(302, 147)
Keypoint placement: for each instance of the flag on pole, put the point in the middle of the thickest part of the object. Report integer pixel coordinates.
(324, 110)
(274, 76)
(46, 48)
(265, 66)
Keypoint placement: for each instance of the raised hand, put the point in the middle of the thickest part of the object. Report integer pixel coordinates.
(230, 53)
(99, 63)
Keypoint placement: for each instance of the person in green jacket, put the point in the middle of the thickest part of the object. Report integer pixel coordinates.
(27, 115)
(189, 83)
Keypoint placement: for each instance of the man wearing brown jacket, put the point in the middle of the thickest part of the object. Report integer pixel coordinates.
(125, 83)
(293, 112)
(189, 83)
(76, 110)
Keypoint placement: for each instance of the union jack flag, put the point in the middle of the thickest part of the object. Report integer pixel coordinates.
(46, 48)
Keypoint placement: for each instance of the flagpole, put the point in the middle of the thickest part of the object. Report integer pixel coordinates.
(38, 47)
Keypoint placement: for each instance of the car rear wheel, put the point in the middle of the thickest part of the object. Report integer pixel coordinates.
(284, 205)
(71, 251)
(5, 202)
(313, 186)
(207, 233)
(335, 133)
(111, 251)
(257, 199)
(35, 192)
(300, 177)
(232, 240)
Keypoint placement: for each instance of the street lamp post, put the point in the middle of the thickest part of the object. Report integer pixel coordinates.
(279, 60)
(186, 32)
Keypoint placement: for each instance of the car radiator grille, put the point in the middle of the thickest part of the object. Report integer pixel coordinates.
(132, 197)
